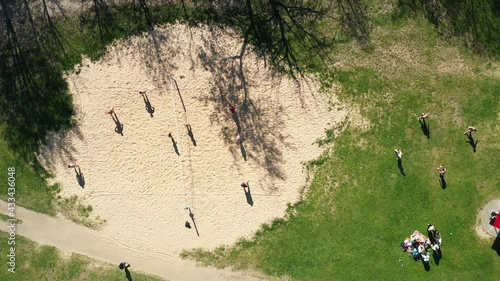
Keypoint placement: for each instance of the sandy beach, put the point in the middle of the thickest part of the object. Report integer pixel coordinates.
(140, 180)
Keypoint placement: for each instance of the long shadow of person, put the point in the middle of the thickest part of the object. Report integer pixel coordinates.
(471, 142)
(400, 166)
(118, 125)
(496, 244)
(190, 134)
(248, 195)
(427, 266)
(128, 275)
(174, 144)
(150, 109)
(436, 256)
(237, 121)
(442, 182)
(425, 128)
(243, 151)
(79, 177)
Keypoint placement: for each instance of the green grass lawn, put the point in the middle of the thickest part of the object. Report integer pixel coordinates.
(32, 190)
(359, 207)
(35, 262)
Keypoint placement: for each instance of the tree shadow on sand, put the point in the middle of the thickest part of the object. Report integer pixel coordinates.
(261, 126)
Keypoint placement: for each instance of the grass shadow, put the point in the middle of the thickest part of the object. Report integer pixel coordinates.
(427, 266)
(442, 182)
(128, 275)
(425, 128)
(400, 166)
(496, 245)
(436, 256)
(471, 141)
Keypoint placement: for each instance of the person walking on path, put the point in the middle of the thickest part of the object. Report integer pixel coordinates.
(399, 154)
(245, 184)
(238, 138)
(233, 109)
(442, 171)
(469, 131)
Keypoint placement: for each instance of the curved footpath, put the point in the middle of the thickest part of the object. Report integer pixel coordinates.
(70, 237)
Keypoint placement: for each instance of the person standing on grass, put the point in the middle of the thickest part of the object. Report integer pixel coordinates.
(433, 234)
(124, 265)
(399, 154)
(469, 131)
(442, 171)
(423, 117)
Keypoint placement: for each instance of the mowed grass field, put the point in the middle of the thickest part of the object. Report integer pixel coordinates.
(359, 207)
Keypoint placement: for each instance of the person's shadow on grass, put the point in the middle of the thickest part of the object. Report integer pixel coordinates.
(400, 166)
(496, 244)
(128, 275)
(436, 256)
(442, 182)
(425, 128)
(471, 142)
(427, 266)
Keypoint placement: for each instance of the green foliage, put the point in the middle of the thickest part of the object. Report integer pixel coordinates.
(359, 207)
(31, 189)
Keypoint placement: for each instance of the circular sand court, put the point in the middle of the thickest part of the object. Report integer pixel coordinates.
(140, 180)
(484, 229)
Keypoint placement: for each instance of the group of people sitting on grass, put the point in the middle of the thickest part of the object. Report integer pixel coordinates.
(418, 244)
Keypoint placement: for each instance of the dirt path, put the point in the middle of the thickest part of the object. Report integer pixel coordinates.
(70, 237)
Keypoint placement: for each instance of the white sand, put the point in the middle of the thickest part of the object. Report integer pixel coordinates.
(140, 185)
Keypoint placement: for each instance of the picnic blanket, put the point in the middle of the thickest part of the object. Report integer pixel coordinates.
(419, 237)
